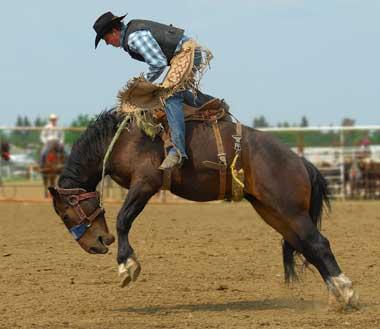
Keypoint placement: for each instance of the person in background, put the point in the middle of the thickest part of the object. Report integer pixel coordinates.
(51, 135)
(365, 146)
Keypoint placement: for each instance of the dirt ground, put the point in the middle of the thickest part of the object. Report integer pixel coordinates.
(203, 266)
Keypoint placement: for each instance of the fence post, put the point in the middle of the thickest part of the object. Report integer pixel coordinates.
(342, 164)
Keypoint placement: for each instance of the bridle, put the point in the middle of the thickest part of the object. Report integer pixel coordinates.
(74, 198)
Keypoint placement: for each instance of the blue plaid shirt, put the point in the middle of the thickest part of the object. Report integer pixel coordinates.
(143, 43)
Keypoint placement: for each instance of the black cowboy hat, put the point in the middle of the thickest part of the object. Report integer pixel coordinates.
(104, 24)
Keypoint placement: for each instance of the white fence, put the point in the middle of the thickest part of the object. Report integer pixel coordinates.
(335, 161)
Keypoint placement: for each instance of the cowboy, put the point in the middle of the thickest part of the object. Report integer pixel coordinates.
(51, 135)
(156, 44)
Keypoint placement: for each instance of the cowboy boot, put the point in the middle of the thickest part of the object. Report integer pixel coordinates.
(172, 160)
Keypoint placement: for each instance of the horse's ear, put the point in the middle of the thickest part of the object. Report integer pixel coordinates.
(53, 191)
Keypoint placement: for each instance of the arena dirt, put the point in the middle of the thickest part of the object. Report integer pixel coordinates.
(203, 266)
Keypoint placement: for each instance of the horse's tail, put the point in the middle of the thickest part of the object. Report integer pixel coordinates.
(320, 194)
(318, 198)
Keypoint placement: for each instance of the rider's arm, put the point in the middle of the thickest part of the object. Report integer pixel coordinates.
(145, 44)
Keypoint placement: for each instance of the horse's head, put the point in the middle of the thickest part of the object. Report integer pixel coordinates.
(83, 216)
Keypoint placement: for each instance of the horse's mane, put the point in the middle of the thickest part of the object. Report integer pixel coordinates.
(92, 144)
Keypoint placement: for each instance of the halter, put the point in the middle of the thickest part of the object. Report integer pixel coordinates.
(73, 198)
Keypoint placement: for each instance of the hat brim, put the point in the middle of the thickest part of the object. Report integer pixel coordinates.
(106, 29)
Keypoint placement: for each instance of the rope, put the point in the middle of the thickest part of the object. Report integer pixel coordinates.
(108, 153)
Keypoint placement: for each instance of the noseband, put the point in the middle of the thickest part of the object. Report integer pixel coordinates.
(74, 198)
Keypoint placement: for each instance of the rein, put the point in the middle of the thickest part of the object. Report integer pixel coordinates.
(74, 198)
(108, 153)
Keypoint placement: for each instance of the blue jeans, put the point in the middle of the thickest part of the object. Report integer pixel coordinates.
(176, 119)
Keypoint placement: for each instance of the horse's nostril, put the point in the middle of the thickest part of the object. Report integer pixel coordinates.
(100, 239)
(108, 239)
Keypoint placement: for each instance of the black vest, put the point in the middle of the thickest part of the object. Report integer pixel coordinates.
(167, 36)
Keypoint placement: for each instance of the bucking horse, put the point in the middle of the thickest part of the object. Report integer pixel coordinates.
(287, 191)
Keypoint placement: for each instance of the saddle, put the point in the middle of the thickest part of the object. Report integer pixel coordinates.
(212, 111)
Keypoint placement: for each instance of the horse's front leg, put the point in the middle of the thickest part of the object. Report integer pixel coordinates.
(138, 196)
(46, 183)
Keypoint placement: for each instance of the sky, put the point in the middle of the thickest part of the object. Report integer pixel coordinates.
(279, 58)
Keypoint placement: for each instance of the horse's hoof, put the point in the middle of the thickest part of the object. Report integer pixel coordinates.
(125, 279)
(353, 301)
(134, 268)
(341, 286)
(129, 271)
(123, 275)
(345, 303)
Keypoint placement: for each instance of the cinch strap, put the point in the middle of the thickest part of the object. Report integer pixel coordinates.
(222, 160)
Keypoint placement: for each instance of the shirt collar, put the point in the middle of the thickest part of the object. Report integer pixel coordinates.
(122, 36)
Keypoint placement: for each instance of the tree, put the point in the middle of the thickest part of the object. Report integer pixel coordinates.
(38, 122)
(26, 122)
(19, 121)
(21, 137)
(82, 120)
(348, 122)
(260, 122)
(304, 122)
(284, 124)
(27, 138)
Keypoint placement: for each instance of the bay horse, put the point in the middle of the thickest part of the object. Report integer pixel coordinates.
(287, 191)
(52, 166)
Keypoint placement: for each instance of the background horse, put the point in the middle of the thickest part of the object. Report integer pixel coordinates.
(5, 151)
(286, 190)
(52, 166)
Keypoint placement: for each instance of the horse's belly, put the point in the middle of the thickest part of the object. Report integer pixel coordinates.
(194, 181)
(196, 186)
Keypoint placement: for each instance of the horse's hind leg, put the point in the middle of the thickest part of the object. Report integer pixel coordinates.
(303, 236)
(316, 249)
